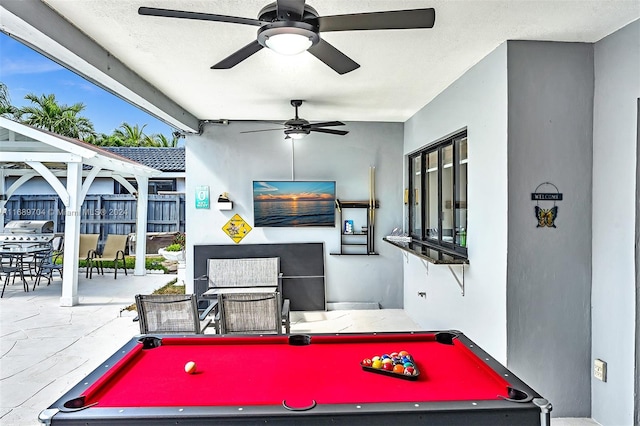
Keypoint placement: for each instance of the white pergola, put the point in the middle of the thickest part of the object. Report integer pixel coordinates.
(26, 152)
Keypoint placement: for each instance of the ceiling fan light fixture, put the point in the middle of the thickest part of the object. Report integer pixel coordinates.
(296, 133)
(288, 37)
(288, 44)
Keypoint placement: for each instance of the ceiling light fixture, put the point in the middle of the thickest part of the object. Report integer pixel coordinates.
(288, 44)
(287, 37)
(296, 133)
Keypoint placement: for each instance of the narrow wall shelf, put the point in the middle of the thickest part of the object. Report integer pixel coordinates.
(359, 243)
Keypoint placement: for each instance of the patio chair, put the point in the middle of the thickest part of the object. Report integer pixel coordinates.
(113, 251)
(7, 268)
(170, 314)
(48, 263)
(245, 273)
(87, 250)
(252, 313)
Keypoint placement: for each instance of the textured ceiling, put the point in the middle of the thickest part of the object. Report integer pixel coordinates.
(401, 70)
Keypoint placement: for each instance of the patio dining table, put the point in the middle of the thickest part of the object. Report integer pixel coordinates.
(15, 255)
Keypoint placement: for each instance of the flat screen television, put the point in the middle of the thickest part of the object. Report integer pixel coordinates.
(294, 203)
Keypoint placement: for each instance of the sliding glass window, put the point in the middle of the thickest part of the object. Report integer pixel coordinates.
(438, 199)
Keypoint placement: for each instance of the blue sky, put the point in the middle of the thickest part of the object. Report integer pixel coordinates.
(25, 71)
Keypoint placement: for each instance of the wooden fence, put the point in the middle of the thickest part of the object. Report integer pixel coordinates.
(101, 214)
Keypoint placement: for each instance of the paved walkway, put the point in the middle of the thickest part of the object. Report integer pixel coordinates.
(45, 349)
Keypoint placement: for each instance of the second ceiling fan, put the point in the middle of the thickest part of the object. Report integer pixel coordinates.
(297, 127)
(291, 27)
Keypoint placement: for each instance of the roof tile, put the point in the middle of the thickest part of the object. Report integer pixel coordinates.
(165, 159)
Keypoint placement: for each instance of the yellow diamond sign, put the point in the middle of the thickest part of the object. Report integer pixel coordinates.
(236, 228)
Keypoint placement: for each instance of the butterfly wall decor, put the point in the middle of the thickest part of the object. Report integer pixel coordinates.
(546, 217)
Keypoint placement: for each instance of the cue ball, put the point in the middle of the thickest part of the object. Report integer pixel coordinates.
(190, 367)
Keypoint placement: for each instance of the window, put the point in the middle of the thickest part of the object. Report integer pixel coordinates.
(155, 186)
(438, 195)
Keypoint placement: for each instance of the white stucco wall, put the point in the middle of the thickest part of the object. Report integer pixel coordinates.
(229, 161)
(477, 101)
(617, 88)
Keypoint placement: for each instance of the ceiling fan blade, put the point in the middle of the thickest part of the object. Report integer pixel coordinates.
(330, 131)
(290, 10)
(327, 124)
(170, 13)
(263, 130)
(237, 57)
(390, 20)
(334, 58)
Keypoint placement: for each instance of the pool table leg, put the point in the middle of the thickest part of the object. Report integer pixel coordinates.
(545, 411)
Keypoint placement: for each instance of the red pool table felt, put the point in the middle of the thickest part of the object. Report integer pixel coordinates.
(267, 370)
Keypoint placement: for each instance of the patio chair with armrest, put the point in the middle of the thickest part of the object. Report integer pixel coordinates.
(170, 313)
(87, 250)
(48, 264)
(113, 251)
(252, 313)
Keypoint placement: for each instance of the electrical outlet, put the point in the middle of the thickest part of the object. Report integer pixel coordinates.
(600, 370)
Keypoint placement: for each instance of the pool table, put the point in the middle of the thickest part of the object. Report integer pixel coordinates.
(317, 379)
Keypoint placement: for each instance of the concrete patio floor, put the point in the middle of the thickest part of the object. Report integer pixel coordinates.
(45, 349)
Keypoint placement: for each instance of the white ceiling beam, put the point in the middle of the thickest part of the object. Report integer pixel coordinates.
(122, 167)
(62, 172)
(7, 146)
(38, 26)
(45, 157)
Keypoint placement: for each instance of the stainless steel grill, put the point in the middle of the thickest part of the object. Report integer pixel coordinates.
(27, 232)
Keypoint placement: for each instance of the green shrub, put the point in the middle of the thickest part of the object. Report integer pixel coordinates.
(151, 263)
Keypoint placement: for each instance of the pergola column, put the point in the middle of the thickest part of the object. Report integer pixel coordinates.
(141, 224)
(72, 236)
(3, 198)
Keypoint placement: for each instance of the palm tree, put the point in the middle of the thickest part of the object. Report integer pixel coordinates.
(6, 109)
(161, 140)
(46, 113)
(103, 139)
(131, 135)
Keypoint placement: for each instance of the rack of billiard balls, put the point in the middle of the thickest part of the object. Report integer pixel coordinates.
(396, 364)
